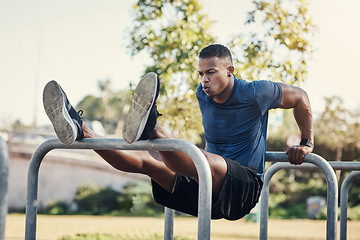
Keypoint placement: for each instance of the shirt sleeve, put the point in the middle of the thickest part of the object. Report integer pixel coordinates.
(267, 94)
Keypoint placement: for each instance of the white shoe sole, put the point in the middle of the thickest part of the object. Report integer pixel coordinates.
(144, 99)
(55, 108)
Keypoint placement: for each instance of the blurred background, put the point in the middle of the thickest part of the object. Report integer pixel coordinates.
(80, 43)
(98, 51)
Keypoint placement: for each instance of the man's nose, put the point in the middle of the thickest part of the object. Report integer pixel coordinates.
(205, 78)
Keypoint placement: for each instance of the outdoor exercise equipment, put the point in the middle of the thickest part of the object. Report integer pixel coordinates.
(327, 168)
(203, 169)
(202, 166)
(4, 175)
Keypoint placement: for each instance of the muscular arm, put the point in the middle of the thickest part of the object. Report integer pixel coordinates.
(297, 99)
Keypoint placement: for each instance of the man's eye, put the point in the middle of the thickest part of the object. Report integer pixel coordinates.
(201, 74)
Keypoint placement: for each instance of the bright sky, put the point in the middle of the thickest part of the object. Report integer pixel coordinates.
(84, 41)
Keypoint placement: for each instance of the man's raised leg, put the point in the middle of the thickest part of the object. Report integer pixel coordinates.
(182, 164)
(69, 127)
(141, 124)
(132, 161)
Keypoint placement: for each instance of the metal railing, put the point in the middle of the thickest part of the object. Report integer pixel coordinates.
(4, 182)
(204, 211)
(202, 166)
(332, 188)
(169, 224)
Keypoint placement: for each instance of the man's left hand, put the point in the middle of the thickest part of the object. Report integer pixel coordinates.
(297, 153)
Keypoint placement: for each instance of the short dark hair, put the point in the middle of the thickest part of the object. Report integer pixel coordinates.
(215, 50)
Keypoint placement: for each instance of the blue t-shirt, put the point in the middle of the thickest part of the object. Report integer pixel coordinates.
(237, 128)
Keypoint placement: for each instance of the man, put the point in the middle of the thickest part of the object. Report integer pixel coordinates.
(234, 116)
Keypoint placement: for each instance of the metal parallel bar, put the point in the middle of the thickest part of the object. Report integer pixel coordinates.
(169, 224)
(332, 189)
(201, 164)
(344, 202)
(4, 183)
(344, 166)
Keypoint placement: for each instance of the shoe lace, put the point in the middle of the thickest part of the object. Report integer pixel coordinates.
(80, 112)
(157, 112)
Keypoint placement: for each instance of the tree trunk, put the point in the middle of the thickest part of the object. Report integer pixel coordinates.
(338, 159)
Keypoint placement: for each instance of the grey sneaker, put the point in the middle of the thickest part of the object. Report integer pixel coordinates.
(142, 119)
(66, 121)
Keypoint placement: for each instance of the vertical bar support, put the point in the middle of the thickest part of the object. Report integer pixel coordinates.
(332, 190)
(4, 182)
(169, 224)
(344, 191)
(264, 204)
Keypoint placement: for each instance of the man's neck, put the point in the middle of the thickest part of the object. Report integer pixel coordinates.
(225, 95)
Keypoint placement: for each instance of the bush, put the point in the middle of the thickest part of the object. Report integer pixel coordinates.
(142, 201)
(56, 207)
(354, 213)
(93, 199)
(280, 207)
(354, 193)
(289, 191)
(134, 200)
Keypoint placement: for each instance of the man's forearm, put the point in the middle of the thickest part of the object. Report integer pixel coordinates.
(303, 116)
(297, 99)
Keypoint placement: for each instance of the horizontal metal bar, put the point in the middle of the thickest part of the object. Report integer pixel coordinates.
(344, 166)
(282, 157)
(201, 164)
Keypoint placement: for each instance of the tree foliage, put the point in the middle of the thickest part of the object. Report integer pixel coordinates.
(337, 128)
(110, 108)
(172, 32)
(280, 49)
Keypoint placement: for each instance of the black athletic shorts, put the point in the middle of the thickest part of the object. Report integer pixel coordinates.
(240, 193)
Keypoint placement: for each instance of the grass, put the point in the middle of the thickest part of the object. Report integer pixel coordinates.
(148, 228)
(105, 236)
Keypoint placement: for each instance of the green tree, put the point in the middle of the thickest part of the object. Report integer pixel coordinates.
(281, 48)
(18, 126)
(333, 128)
(337, 128)
(172, 32)
(110, 108)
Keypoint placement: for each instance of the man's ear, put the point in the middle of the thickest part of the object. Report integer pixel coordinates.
(231, 70)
